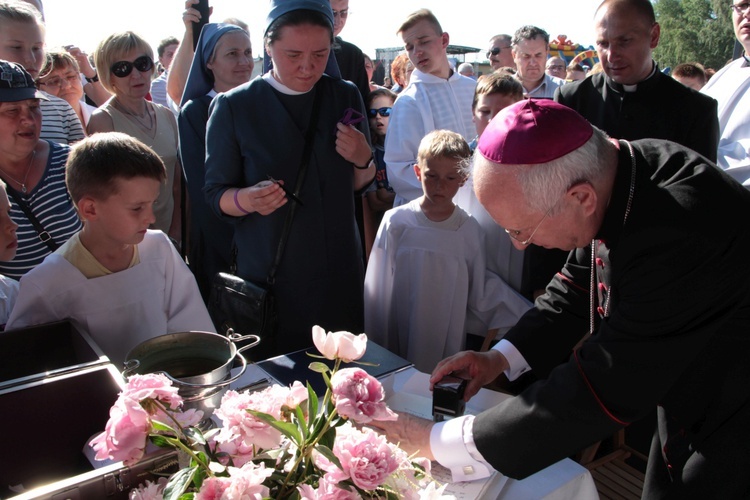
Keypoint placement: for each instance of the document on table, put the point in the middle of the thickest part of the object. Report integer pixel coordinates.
(411, 395)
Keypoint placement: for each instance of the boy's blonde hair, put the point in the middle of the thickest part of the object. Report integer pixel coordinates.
(497, 82)
(420, 15)
(15, 11)
(445, 144)
(96, 162)
(112, 49)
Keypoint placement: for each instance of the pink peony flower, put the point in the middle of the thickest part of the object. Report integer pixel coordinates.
(124, 437)
(213, 488)
(359, 396)
(307, 492)
(366, 457)
(342, 345)
(154, 386)
(247, 482)
(188, 418)
(327, 490)
(240, 451)
(150, 490)
(241, 431)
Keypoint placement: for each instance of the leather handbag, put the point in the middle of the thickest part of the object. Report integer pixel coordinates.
(243, 306)
(248, 307)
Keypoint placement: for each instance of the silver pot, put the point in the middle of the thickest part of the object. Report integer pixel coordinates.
(198, 363)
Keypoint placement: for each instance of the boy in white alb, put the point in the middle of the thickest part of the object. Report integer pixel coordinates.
(436, 98)
(116, 280)
(427, 266)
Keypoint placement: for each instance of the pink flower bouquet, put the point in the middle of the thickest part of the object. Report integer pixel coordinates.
(282, 442)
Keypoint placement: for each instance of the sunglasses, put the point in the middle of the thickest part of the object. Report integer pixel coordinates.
(121, 69)
(384, 112)
(496, 50)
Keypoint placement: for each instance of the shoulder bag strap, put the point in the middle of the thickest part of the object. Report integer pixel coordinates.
(309, 136)
(43, 234)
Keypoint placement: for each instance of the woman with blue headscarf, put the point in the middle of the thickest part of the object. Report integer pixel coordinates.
(223, 60)
(258, 131)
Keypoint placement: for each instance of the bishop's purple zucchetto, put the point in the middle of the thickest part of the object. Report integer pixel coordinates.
(533, 131)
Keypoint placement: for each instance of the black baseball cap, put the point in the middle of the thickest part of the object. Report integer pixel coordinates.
(16, 84)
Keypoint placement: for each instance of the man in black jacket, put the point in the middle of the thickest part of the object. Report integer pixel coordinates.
(658, 283)
(631, 99)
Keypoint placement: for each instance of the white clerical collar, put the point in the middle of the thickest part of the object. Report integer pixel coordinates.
(273, 82)
(634, 87)
(212, 93)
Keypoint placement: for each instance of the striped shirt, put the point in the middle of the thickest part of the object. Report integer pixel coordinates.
(50, 203)
(60, 122)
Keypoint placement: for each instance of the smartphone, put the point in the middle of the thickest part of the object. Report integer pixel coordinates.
(202, 7)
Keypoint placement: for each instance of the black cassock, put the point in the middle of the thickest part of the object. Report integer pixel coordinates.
(672, 314)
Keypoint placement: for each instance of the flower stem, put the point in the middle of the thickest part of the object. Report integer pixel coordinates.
(181, 438)
(305, 448)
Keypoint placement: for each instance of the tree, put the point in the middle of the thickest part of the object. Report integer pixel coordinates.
(694, 31)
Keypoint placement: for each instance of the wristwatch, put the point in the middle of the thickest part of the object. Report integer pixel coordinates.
(93, 79)
(367, 165)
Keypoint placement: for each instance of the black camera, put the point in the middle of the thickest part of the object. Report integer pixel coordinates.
(448, 398)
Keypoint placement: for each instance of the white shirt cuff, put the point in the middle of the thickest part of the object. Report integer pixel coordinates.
(517, 364)
(452, 445)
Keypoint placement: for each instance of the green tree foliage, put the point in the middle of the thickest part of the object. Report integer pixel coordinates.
(694, 31)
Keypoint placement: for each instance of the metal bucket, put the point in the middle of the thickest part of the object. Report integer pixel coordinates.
(199, 364)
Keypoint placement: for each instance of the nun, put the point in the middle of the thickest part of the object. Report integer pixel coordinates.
(222, 61)
(296, 138)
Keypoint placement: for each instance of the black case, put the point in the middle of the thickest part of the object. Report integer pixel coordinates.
(45, 425)
(56, 389)
(44, 351)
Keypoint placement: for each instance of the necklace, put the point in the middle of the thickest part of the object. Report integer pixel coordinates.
(25, 177)
(137, 117)
(628, 206)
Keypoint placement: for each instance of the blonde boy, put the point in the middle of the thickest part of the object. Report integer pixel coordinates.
(427, 266)
(115, 279)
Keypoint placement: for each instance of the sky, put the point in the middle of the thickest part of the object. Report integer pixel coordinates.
(371, 23)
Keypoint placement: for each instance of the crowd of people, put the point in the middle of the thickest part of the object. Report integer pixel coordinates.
(563, 225)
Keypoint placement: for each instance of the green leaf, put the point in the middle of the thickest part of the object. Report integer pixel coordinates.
(328, 438)
(288, 429)
(160, 441)
(318, 424)
(302, 423)
(326, 452)
(319, 367)
(203, 457)
(312, 403)
(365, 363)
(211, 433)
(162, 427)
(179, 483)
(195, 435)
